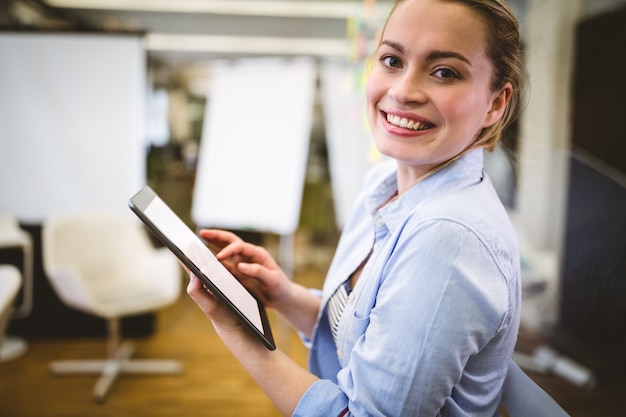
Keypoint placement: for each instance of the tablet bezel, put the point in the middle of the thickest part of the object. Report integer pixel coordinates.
(139, 203)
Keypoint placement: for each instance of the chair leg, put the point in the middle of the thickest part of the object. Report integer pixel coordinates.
(94, 366)
(118, 362)
(111, 370)
(154, 366)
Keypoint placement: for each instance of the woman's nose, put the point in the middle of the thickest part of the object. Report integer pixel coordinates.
(408, 88)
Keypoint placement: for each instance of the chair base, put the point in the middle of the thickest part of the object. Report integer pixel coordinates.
(109, 369)
(12, 348)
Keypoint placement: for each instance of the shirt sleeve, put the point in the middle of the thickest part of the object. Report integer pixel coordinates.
(305, 340)
(323, 399)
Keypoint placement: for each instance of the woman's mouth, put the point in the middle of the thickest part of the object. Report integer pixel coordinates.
(405, 123)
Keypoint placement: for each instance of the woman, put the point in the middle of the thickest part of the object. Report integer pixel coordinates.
(420, 308)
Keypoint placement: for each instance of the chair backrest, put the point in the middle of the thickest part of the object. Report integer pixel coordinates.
(102, 261)
(522, 397)
(81, 239)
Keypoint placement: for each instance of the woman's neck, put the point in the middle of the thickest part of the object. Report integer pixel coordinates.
(408, 176)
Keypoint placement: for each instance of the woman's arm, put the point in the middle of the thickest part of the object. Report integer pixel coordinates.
(282, 379)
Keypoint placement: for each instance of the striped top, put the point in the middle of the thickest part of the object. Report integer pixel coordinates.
(336, 306)
(338, 301)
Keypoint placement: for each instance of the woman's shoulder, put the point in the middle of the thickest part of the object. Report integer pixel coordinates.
(475, 209)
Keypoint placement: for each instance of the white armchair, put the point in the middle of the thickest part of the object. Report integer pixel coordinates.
(10, 282)
(103, 263)
(13, 236)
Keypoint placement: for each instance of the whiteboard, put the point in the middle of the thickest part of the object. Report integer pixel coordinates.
(71, 122)
(254, 148)
(351, 149)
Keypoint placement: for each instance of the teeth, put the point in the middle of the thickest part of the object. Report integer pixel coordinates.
(406, 123)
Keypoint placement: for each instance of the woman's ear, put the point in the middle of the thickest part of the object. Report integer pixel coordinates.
(498, 105)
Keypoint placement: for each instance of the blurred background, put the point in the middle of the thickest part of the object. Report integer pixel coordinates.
(248, 115)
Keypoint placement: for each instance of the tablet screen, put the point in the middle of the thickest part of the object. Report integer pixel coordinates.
(194, 253)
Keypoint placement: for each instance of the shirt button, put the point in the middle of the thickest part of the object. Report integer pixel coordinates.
(340, 354)
(379, 221)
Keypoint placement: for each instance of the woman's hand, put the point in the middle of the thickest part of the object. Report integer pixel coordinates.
(252, 265)
(221, 317)
(255, 268)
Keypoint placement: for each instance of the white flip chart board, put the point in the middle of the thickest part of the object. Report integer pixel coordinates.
(351, 150)
(71, 122)
(254, 148)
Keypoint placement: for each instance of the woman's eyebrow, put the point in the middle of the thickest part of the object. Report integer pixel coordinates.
(432, 56)
(393, 45)
(447, 54)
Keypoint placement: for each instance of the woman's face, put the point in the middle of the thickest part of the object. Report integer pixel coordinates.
(428, 94)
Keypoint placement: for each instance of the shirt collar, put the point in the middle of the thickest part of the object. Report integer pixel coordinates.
(468, 169)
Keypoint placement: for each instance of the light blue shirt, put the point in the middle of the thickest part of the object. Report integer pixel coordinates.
(433, 319)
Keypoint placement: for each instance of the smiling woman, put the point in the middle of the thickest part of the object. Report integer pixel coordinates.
(420, 309)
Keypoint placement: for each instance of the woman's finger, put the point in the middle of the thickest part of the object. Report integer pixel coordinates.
(219, 238)
(247, 252)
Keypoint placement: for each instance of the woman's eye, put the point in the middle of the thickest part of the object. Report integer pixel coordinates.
(391, 61)
(446, 74)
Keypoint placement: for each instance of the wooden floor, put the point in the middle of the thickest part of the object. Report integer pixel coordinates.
(212, 384)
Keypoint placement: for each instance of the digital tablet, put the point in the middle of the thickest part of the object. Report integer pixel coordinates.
(195, 254)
